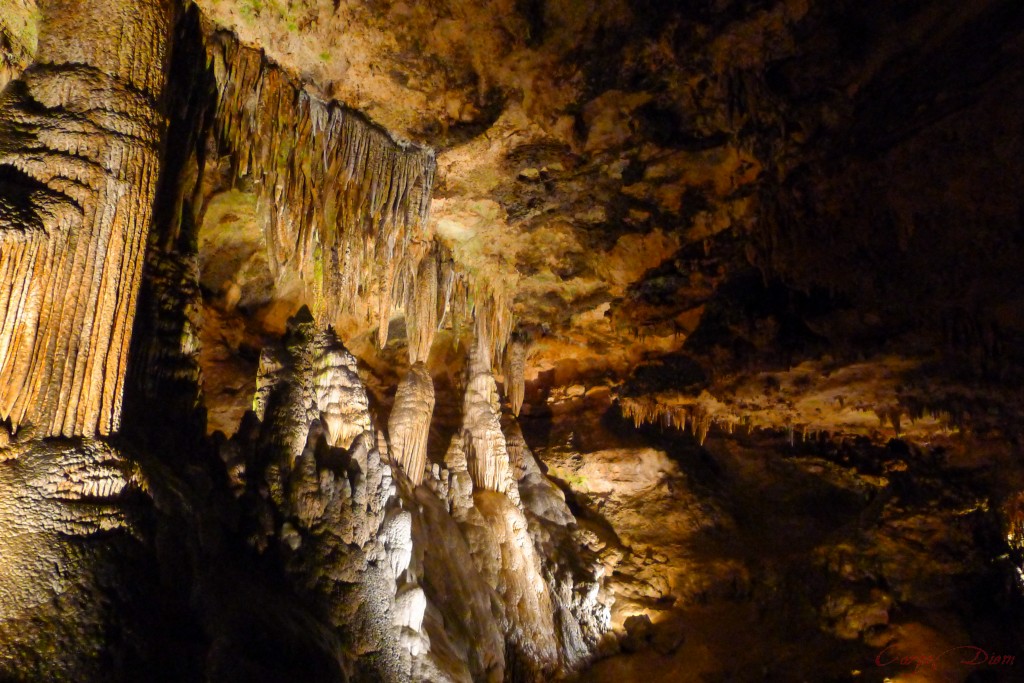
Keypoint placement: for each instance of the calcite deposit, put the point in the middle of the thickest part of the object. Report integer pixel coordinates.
(494, 341)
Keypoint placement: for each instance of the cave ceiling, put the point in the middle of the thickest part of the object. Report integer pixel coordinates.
(818, 204)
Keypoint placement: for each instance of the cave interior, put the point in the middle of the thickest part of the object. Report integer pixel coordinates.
(511, 340)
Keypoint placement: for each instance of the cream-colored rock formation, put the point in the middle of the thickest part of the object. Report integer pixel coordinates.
(409, 424)
(482, 439)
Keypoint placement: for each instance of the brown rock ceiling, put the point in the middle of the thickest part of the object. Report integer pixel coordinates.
(823, 198)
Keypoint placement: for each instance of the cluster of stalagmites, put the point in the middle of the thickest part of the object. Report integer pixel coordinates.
(446, 581)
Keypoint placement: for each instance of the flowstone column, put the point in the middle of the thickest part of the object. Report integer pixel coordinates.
(81, 131)
(80, 137)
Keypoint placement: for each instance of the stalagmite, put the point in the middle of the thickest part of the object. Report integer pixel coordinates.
(313, 378)
(346, 535)
(519, 456)
(410, 604)
(409, 424)
(459, 489)
(396, 534)
(76, 195)
(486, 452)
(340, 395)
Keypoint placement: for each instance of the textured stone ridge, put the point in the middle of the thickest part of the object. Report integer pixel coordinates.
(80, 135)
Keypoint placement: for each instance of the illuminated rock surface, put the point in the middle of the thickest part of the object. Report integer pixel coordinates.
(511, 341)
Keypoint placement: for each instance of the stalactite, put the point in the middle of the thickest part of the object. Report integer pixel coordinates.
(486, 452)
(646, 411)
(700, 423)
(421, 308)
(77, 194)
(409, 424)
(341, 201)
(514, 370)
(475, 303)
(492, 316)
(894, 418)
(649, 411)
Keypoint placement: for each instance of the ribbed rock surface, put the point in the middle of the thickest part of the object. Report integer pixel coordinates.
(409, 424)
(80, 135)
(482, 438)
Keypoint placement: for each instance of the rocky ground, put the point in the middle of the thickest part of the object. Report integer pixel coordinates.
(754, 558)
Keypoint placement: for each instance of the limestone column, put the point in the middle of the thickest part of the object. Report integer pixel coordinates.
(81, 131)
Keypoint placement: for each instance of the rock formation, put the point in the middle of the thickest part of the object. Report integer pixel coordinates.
(77, 200)
(482, 440)
(515, 370)
(488, 341)
(409, 424)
